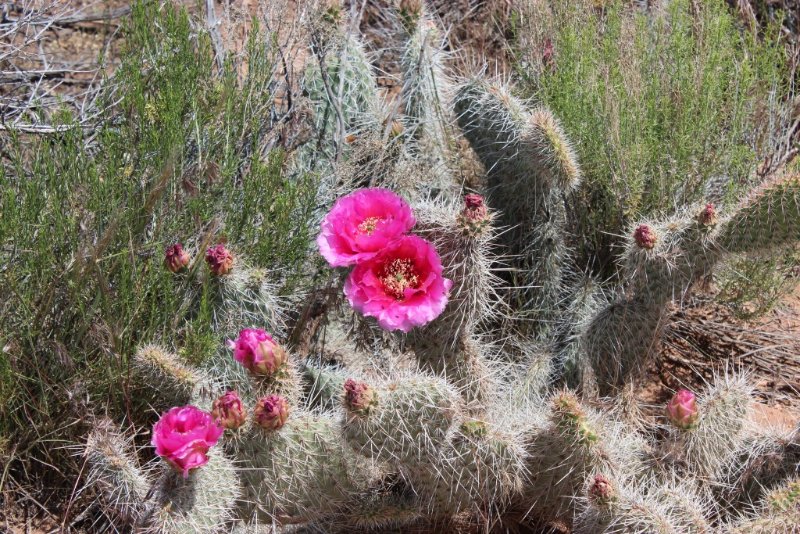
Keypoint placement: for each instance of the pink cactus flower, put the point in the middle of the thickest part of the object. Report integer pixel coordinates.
(228, 410)
(644, 236)
(176, 259)
(183, 436)
(219, 260)
(402, 286)
(361, 224)
(258, 352)
(682, 409)
(271, 412)
(359, 397)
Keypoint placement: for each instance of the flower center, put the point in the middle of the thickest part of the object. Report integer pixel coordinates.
(397, 275)
(369, 224)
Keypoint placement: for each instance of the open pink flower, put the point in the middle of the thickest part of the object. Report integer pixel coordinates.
(256, 350)
(361, 224)
(183, 436)
(402, 286)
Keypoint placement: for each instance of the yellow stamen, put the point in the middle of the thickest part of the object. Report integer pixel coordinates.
(369, 224)
(397, 275)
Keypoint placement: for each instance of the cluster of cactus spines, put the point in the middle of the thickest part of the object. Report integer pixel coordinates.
(426, 91)
(530, 165)
(481, 468)
(770, 217)
(323, 386)
(462, 421)
(611, 506)
(114, 470)
(570, 445)
(203, 502)
(450, 345)
(767, 456)
(178, 382)
(401, 422)
(301, 470)
(571, 360)
(248, 296)
(340, 85)
(779, 511)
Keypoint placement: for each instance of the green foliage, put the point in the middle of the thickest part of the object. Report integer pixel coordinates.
(85, 216)
(752, 286)
(657, 103)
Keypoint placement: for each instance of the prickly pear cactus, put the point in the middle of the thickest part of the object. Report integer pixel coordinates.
(476, 408)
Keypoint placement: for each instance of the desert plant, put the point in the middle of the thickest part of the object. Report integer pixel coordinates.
(477, 302)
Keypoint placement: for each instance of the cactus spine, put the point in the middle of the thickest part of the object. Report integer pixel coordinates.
(467, 428)
(530, 165)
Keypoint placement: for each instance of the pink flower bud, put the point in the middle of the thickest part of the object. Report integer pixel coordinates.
(229, 411)
(475, 217)
(183, 437)
(359, 397)
(708, 216)
(644, 236)
(601, 491)
(271, 412)
(682, 409)
(176, 259)
(219, 260)
(258, 352)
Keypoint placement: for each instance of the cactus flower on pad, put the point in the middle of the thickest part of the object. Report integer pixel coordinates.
(183, 437)
(258, 352)
(361, 224)
(402, 286)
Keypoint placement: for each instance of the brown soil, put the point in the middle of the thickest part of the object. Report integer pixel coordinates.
(704, 338)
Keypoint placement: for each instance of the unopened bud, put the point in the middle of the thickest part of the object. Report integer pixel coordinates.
(708, 216)
(359, 396)
(258, 352)
(219, 260)
(229, 411)
(601, 491)
(682, 410)
(176, 259)
(271, 412)
(475, 216)
(644, 236)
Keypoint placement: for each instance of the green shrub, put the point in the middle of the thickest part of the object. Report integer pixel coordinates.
(660, 104)
(85, 216)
